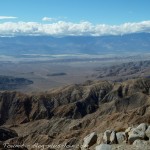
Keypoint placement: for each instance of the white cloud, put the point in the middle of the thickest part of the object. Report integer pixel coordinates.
(7, 17)
(53, 19)
(62, 28)
(48, 19)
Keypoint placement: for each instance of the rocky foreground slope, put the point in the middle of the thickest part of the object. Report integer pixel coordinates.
(64, 116)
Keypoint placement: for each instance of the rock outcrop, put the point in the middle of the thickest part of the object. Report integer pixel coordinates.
(103, 147)
(120, 137)
(109, 137)
(148, 132)
(136, 134)
(89, 140)
(136, 140)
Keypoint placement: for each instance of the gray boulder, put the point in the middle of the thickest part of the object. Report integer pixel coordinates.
(109, 137)
(100, 139)
(113, 139)
(141, 144)
(103, 147)
(106, 136)
(142, 127)
(127, 131)
(147, 132)
(136, 134)
(89, 140)
(120, 137)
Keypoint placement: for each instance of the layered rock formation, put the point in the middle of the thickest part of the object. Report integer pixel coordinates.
(62, 117)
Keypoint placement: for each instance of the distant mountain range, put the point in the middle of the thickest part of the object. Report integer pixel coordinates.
(130, 43)
(124, 71)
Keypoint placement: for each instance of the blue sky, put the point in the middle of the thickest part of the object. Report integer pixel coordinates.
(74, 17)
(95, 11)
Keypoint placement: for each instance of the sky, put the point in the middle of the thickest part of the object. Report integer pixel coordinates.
(73, 17)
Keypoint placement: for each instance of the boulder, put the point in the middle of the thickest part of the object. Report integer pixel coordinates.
(6, 134)
(109, 137)
(128, 129)
(147, 132)
(127, 133)
(103, 147)
(136, 134)
(113, 139)
(142, 127)
(89, 140)
(120, 137)
(141, 144)
(100, 138)
(106, 136)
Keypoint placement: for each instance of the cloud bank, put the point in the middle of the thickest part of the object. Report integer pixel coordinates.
(7, 17)
(62, 28)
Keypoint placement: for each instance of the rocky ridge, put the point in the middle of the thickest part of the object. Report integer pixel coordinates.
(64, 116)
(123, 71)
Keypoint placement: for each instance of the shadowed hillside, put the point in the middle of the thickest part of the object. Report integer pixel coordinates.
(11, 83)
